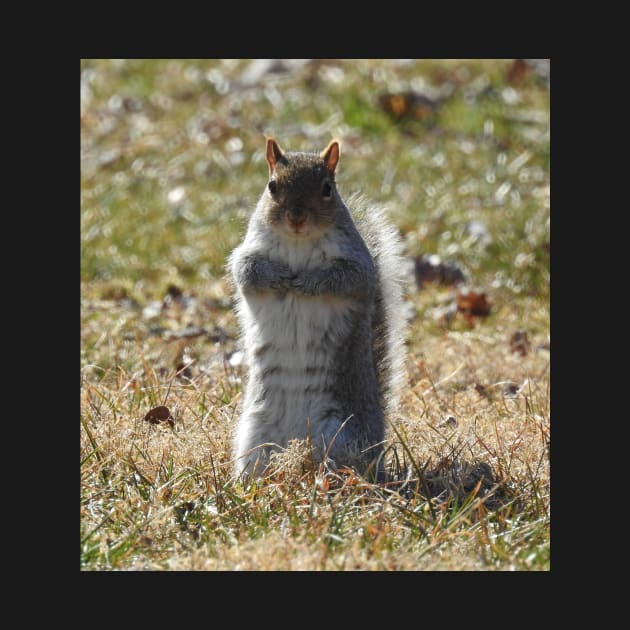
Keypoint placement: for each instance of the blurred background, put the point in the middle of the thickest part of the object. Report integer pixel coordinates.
(172, 159)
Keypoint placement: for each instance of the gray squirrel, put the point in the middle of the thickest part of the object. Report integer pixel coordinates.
(319, 302)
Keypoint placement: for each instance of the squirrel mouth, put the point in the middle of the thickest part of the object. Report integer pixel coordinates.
(299, 226)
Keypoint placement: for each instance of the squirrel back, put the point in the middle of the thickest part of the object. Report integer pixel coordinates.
(319, 299)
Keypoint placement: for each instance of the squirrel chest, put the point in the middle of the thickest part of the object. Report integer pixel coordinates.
(291, 338)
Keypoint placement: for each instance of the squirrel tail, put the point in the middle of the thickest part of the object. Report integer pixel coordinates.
(388, 328)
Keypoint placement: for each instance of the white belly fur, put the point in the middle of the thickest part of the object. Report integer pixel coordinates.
(302, 333)
(290, 341)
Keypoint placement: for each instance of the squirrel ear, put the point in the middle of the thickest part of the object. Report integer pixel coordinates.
(274, 154)
(330, 155)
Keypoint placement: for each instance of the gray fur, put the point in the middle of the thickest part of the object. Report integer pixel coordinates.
(321, 320)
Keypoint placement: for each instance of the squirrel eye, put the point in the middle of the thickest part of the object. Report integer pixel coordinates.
(326, 191)
(273, 187)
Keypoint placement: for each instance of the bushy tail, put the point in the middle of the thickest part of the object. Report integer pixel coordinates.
(389, 323)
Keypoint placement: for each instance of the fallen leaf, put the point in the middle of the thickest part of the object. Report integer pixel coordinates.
(160, 414)
(473, 303)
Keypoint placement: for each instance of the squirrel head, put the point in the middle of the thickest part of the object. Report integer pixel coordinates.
(301, 198)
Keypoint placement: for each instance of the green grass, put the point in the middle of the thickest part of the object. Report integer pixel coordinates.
(172, 164)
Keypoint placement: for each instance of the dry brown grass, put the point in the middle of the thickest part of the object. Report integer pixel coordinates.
(160, 497)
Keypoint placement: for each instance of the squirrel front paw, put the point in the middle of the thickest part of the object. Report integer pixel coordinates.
(299, 282)
(262, 273)
(308, 283)
(281, 277)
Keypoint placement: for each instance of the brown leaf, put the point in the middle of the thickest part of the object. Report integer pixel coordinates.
(160, 414)
(471, 303)
(519, 343)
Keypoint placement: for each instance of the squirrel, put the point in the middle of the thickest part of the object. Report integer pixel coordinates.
(319, 303)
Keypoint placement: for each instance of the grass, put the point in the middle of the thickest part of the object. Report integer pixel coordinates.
(172, 164)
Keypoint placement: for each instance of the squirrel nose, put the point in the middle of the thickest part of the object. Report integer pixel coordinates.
(297, 217)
